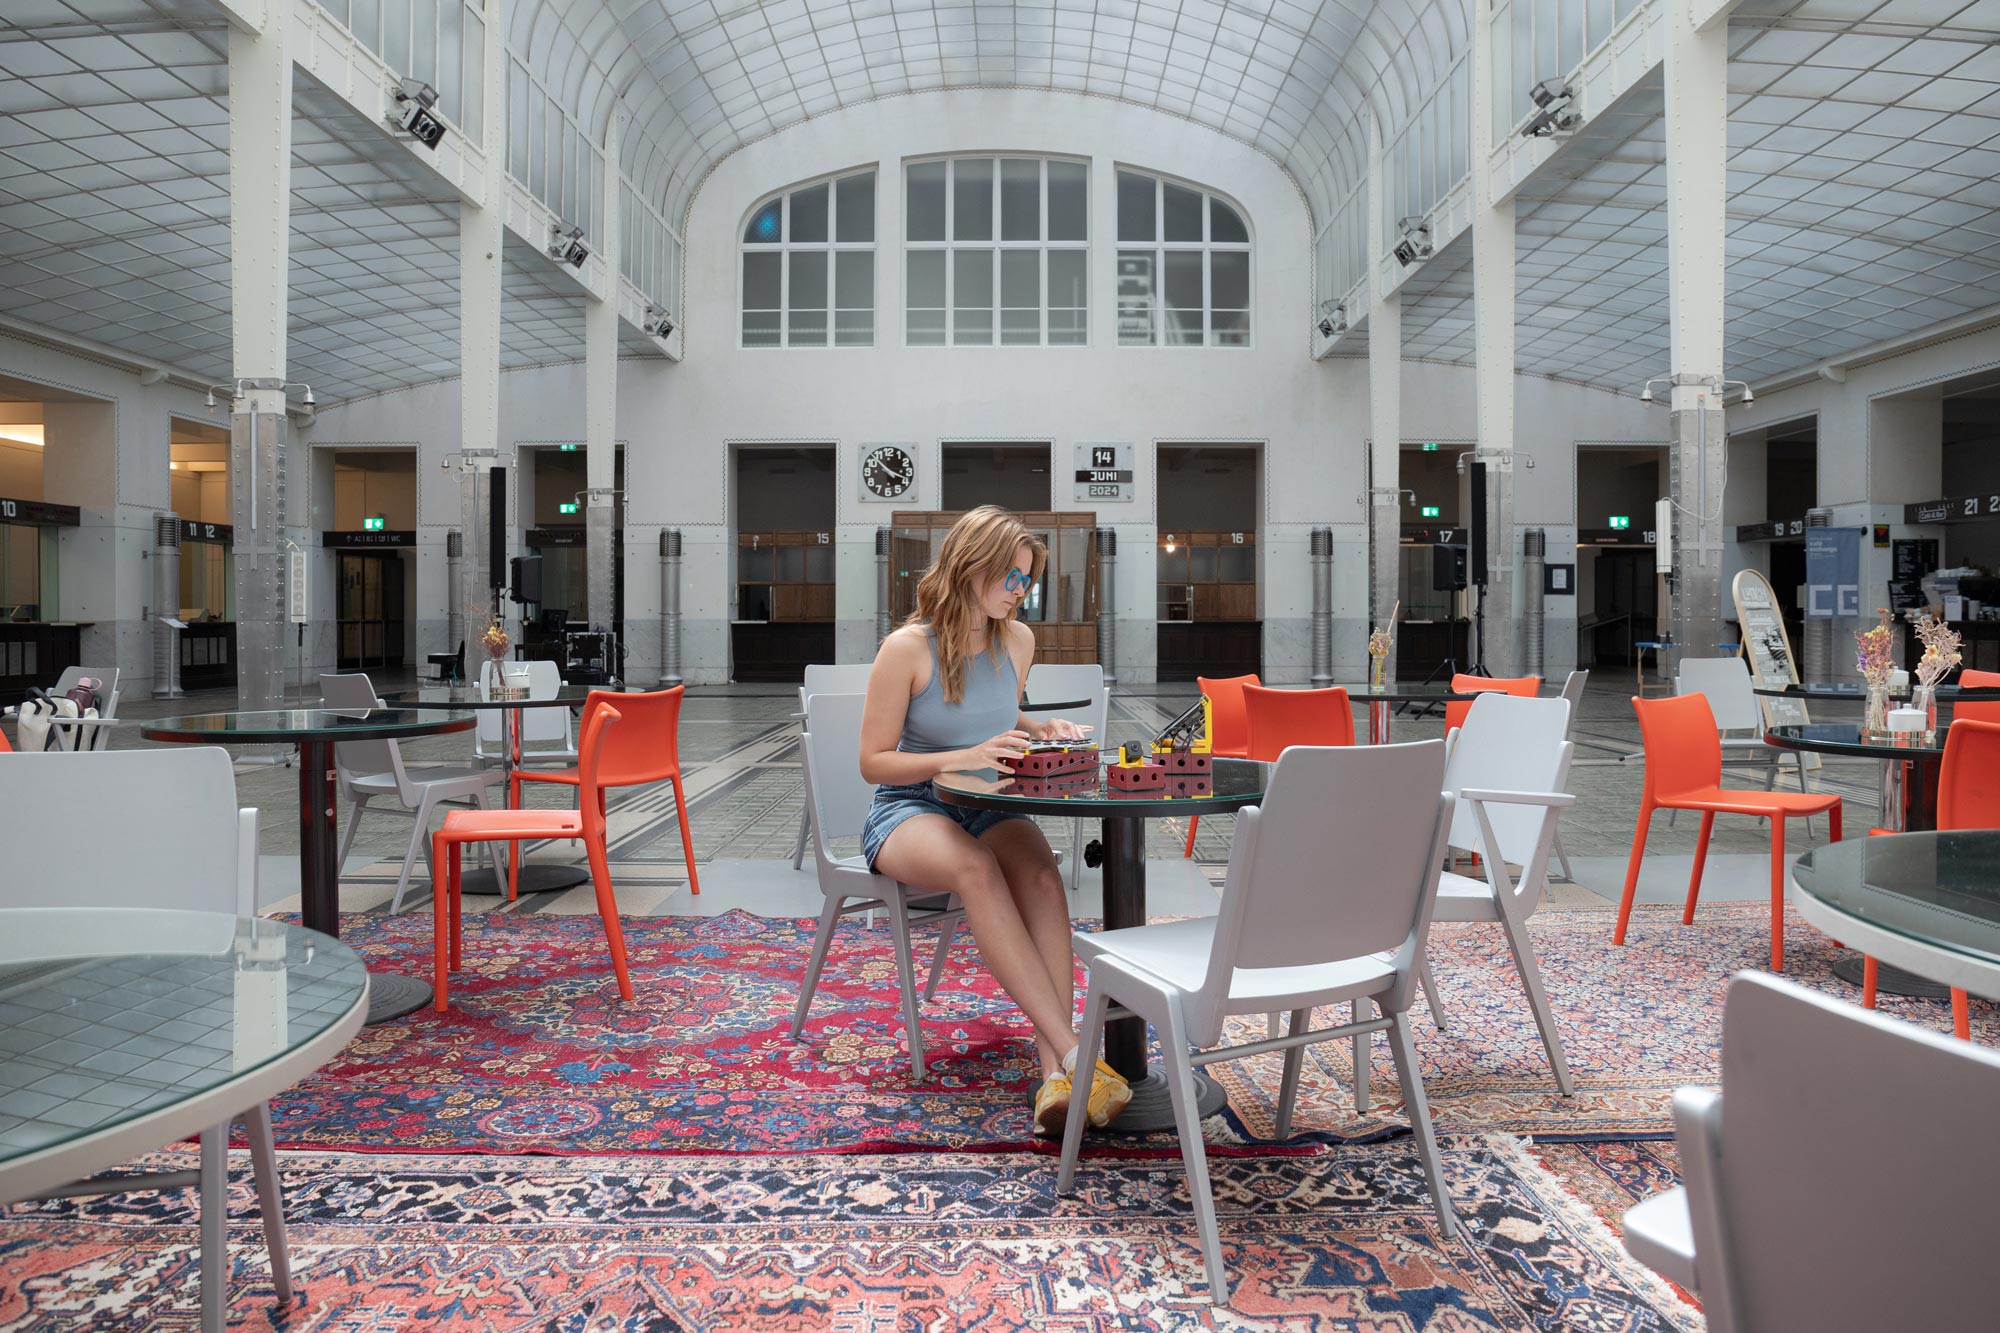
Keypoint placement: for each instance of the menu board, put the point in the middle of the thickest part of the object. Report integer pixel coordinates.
(1911, 559)
(1769, 650)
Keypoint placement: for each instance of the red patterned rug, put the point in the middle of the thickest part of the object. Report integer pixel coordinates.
(1343, 1240)
(538, 1055)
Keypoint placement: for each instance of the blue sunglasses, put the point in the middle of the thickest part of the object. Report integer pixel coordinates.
(1016, 579)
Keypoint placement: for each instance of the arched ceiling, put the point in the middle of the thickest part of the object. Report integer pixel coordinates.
(1295, 78)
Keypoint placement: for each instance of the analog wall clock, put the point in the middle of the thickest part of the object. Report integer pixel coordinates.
(888, 471)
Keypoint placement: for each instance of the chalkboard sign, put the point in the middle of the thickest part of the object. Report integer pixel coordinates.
(1910, 559)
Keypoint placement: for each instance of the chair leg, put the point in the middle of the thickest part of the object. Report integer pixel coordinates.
(1429, 983)
(1961, 1014)
(1562, 857)
(1632, 872)
(1805, 787)
(945, 937)
(1193, 824)
(1700, 863)
(1364, 1049)
(805, 831)
(906, 977)
(1288, 1086)
(441, 920)
(1778, 894)
(1089, 1038)
(1077, 837)
(1538, 1000)
(1180, 1083)
(829, 917)
(418, 834)
(607, 911)
(687, 835)
(454, 884)
(354, 811)
(1420, 1118)
(1869, 969)
(214, 1196)
(270, 1196)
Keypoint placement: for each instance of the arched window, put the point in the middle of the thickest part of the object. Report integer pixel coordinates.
(809, 266)
(1183, 266)
(1005, 236)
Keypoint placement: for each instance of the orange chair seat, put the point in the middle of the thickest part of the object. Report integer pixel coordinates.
(511, 825)
(1742, 801)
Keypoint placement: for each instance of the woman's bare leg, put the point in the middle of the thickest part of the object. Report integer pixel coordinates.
(933, 852)
(1036, 884)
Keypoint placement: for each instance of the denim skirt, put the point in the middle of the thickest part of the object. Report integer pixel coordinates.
(893, 805)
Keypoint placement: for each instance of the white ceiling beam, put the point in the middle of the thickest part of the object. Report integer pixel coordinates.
(534, 222)
(246, 15)
(148, 370)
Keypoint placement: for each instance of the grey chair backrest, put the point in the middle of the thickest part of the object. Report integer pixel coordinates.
(1836, 1212)
(358, 758)
(1508, 744)
(1572, 694)
(1340, 861)
(835, 678)
(1066, 680)
(840, 796)
(127, 828)
(1726, 682)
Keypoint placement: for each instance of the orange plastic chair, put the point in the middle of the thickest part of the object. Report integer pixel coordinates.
(1228, 728)
(1525, 687)
(646, 749)
(1684, 772)
(1280, 718)
(515, 826)
(1977, 710)
(1968, 797)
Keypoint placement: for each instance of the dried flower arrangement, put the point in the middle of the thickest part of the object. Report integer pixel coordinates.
(1875, 652)
(1941, 648)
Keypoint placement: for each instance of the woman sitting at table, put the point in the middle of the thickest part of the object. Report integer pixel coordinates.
(944, 696)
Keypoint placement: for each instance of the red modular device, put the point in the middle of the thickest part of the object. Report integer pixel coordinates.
(1197, 784)
(1181, 762)
(1062, 784)
(1136, 777)
(1047, 761)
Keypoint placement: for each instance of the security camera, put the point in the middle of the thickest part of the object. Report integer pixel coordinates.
(1646, 394)
(309, 402)
(566, 245)
(658, 323)
(412, 112)
(1748, 396)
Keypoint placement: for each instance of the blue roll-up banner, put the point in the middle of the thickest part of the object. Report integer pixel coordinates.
(1833, 573)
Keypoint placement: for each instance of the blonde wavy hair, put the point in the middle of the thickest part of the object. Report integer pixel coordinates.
(979, 548)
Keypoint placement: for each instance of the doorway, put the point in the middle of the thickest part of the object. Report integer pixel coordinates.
(1206, 562)
(369, 613)
(785, 560)
(1010, 474)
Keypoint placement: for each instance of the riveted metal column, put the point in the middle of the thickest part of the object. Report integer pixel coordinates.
(1322, 614)
(1534, 641)
(884, 544)
(670, 607)
(1107, 604)
(600, 393)
(454, 590)
(1385, 411)
(260, 226)
(480, 245)
(1493, 356)
(166, 605)
(1697, 106)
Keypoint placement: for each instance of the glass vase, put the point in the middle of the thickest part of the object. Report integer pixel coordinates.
(1875, 715)
(1924, 699)
(1375, 677)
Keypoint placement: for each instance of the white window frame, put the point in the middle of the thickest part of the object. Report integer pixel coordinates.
(1208, 247)
(785, 248)
(1041, 247)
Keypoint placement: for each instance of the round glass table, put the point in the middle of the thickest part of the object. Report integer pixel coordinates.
(1928, 903)
(1384, 698)
(1909, 802)
(1233, 784)
(315, 731)
(1853, 691)
(536, 876)
(130, 1029)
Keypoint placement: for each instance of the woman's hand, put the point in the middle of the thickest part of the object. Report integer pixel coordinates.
(1062, 729)
(1000, 752)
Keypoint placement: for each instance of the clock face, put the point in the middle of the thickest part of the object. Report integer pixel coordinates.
(888, 471)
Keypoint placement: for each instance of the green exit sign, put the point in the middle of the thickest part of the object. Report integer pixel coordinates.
(375, 524)
(1430, 446)
(1432, 511)
(1621, 521)
(567, 508)
(569, 448)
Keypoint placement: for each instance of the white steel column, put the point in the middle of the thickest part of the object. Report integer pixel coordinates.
(600, 399)
(1385, 412)
(260, 228)
(1697, 112)
(1493, 357)
(481, 244)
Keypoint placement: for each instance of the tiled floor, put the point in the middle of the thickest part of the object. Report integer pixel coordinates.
(741, 760)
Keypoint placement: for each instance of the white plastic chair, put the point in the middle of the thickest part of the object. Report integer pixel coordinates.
(181, 842)
(841, 678)
(368, 769)
(1572, 694)
(1329, 896)
(1057, 681)
(840, 798)
(1508, 767)
(547, 734)
(1815, 1205)
(1732, 698)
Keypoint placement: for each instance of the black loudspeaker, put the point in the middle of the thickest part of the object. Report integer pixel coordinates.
(527, 579)
(496, 525)
(1475, 531)
(1447, 568)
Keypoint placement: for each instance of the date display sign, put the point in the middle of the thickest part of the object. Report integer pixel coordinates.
(1104, 473)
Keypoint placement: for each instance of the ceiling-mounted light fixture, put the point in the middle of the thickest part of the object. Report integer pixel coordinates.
(412, 113)
(1415, 244)
(657, 323)
(566, 244)
(1556, 112)
(1332, 318)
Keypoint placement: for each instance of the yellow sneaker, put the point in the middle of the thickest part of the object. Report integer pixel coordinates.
(1052, 1106)
(1109, 1092)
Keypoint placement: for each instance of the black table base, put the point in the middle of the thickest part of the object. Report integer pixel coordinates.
(391, 995)
(1152, 1106)
(536, 877)
(1888, 980)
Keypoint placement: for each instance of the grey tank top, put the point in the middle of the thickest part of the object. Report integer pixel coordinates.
(991, 705)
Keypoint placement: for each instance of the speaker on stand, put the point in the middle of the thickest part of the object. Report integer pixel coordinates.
(496, 534)
(1476, 542)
